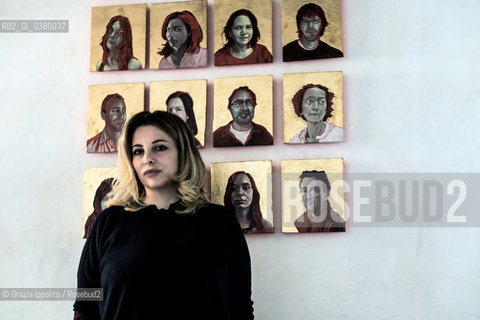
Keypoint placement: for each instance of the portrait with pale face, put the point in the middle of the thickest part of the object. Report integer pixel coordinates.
(245, 189)
(311, 30)
(236, 122)
(108, 109)
(313, 107)
(312, 195)
(118, 38)
(178, 35)
(186, 99)
(243, 32)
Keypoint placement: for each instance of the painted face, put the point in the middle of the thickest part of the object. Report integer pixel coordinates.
(310, 28)
(242, 30)
(177, 33)
(242, 192)
(314, 104)
(314, 193)
(115, 37)
(242, 108)
(115, 115)
(175, 106)
(155, 159)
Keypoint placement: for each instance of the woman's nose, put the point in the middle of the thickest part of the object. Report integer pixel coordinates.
(147, 158)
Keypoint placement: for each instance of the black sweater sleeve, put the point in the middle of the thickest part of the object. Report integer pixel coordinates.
(88, 275)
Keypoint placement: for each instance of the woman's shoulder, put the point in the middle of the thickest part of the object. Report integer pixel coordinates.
(111, 212)
(220, 56)
(212, 209)
(134, 64)
(216, 212)
(263, 52)
(333, 132)
(99, 65)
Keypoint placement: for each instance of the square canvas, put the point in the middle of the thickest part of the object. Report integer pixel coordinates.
(109, 107)
(97, 190)
(313, 196)
(311, 29)
(185, 98)
(246, 189)
(178, 35)
(242, 32)
(118, 37)
(243, 111)
(313, 107)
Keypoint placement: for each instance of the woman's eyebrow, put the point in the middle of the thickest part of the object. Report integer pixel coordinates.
(159, 140)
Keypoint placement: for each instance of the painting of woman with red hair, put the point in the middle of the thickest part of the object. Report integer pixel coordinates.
(117, 46)
(183, 35)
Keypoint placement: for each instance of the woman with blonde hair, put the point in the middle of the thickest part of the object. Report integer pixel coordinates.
(161, 248)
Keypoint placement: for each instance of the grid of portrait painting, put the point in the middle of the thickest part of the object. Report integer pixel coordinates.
(312, 189)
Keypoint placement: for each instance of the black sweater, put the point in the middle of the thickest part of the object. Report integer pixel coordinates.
(157, 264)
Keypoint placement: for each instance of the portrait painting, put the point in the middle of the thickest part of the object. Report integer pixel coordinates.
(313, 107)
(118, 37)
(97, 190)
(243, 111)
(178, 35)
(109, 107)
(311, 30)
(245, 188)
(242, 32)
(185, 98)
(313, 196)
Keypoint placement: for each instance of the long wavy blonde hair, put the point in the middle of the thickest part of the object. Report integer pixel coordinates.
(190, 179)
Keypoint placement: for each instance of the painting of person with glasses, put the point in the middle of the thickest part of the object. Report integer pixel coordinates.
(242, 131)
(311, 24)
(117, 46)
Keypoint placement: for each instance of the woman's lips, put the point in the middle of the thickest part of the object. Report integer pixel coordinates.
(151, 172)
(239, 201)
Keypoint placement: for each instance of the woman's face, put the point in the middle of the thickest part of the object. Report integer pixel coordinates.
(242, 192)
(177, 33)
(175, 106)
(155, 159)
(115, 36)
(242, 30)
(314, 104)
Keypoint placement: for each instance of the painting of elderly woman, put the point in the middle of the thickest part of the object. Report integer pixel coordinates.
(313, 108)
(245, 189)
(178, 35)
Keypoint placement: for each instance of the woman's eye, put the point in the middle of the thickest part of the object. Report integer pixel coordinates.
(160, 148)
(137, 152)
(309, 101)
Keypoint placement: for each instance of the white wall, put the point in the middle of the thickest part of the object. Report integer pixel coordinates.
(411, 99)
